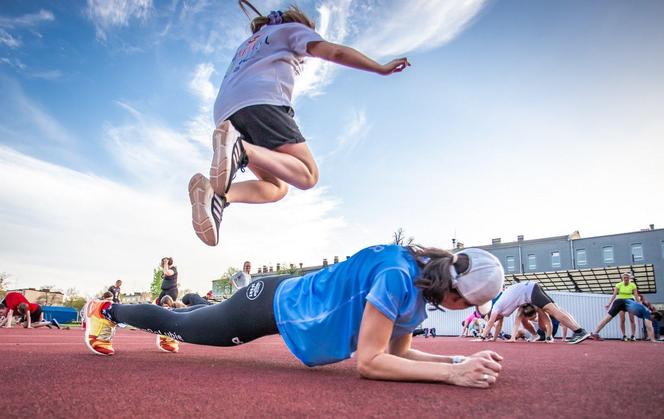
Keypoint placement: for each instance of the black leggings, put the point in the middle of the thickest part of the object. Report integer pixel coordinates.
(247, 315)
(172, 292)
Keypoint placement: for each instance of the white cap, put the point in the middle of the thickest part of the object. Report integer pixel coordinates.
(482, 281)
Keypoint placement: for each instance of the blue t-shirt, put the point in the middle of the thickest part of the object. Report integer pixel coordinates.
(637, 309)
(319, 314)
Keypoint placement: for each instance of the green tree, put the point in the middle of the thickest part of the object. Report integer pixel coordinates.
(4, 283)
(73, 299)
(157, 278)
(222, 285)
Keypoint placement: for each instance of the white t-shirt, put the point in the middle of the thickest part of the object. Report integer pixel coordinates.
(240, 280)
(263, 69)
(514, 296)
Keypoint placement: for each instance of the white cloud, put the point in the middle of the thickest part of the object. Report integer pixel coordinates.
(438, 22)
(106, 14)
(25, 119)
(78, 230)
(7, 39)
(20, 22)
(354, 130)
(384, 29)
(26, 21)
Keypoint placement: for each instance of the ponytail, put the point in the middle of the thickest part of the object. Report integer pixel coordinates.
(435, 279)
(293, 14)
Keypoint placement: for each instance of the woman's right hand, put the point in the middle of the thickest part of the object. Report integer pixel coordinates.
(476, 372)
(394, 66)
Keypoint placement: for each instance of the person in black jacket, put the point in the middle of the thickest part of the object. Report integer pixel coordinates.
(169, 284)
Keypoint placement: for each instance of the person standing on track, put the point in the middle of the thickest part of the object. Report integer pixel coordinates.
(169, 283)
(530, 292)
(623, 291)
(368, 305)
(115, 290)
(241, 279)
(255, 98)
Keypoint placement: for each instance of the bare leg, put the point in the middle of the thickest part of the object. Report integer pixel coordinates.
(622, 323)
(266, 189)
(544, 322)
(564, 317)
(292, 163)
(632, 324)
(601, 324)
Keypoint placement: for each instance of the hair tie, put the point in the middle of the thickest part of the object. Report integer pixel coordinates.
(275, 17)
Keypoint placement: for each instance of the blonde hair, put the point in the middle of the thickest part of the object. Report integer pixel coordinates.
(292, 15)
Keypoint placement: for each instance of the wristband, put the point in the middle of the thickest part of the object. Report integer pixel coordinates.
(457, 359)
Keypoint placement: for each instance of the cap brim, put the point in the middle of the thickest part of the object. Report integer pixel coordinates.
(485, 308)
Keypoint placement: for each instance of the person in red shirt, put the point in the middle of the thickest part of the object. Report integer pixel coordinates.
(32, 315)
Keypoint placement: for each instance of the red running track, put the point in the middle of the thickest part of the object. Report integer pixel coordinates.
(50, 373)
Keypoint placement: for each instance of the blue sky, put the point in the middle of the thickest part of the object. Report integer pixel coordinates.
(534, 118)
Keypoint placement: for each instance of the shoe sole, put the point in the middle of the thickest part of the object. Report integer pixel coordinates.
(162, 349)
(86, 335)
(221, 159)
(200, 196)
(581, 339)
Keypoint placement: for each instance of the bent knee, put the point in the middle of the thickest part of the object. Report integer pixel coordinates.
(309, 182)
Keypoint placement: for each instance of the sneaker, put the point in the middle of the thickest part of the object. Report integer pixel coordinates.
(632, 338)
(539, 338)
(207, 209)
(55, 323)
(432, 332)
(549, 339)
(596, 336)
(166, 344)
(229, 156)
(624, 338)
(579, 337)
(98, 329)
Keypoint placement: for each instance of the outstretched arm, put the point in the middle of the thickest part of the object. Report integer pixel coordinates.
(375, 362)
(615, 291)
(350, 57)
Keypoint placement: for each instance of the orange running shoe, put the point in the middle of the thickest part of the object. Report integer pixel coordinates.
(166, 344)
(99, 330)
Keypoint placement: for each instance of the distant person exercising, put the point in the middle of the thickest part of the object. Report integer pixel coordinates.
(530, 292)
(115, 290)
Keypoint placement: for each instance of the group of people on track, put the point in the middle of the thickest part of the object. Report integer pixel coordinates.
(367, 306)
(540, 316)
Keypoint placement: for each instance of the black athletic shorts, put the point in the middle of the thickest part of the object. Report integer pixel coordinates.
(618, 306)
(268, 126)
(34, 315)
(539, 297)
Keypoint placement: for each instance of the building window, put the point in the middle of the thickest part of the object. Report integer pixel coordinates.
(509, 262)
(607, 254)
(532, 262)
(555, 259)
(581, 257)
(637, 252)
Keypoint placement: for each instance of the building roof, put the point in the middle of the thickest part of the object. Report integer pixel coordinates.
(594, 280)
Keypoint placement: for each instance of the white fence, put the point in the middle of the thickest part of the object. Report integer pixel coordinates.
(587, 309)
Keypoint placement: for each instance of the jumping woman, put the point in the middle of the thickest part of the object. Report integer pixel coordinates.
(368, 305)
(255, 98)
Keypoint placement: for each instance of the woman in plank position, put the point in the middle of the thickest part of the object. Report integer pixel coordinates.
(368, 305)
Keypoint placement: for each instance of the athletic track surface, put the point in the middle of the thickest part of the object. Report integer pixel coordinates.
(50, 373)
